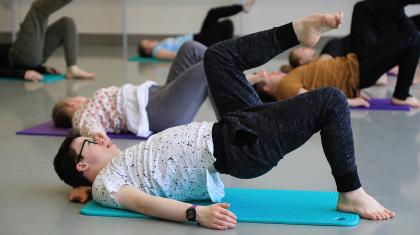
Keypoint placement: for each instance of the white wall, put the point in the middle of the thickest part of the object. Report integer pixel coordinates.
(181, 16)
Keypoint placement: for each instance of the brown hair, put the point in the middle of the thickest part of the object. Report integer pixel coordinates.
(286, 68)
(294, 60)
(61, 116)
(142, 50)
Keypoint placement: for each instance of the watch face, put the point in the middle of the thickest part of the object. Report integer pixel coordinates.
(191, 214)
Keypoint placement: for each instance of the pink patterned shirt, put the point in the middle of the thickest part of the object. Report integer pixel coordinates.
(102, 113)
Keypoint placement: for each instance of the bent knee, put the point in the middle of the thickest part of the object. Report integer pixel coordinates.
(67, 22)
(227, 23)
(335, 94)
(194, 49)
(228, 27)
(211, 57)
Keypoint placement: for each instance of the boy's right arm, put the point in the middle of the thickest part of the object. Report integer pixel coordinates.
(216, 216)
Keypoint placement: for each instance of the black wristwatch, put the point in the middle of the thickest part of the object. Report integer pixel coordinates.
(191, 214)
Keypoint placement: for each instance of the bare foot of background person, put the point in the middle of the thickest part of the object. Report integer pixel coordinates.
(248, 5)
(411, 101)
(75, 72)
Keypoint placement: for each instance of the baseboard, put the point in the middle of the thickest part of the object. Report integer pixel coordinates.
(116, 39)
(100, 39)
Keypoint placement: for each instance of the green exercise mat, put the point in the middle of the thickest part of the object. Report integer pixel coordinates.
(140, 59)
(48, 78)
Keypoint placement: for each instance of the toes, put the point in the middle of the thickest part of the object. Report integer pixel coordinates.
(383, 215)
(376, 215)
(390, 213)
(369, 216)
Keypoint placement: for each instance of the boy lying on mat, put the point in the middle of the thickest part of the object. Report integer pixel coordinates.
(183, 163)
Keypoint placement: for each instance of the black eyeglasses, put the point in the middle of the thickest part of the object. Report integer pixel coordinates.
(79, 157)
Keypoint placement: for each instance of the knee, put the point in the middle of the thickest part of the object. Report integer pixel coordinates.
(219, 55)
(228, 28)
(228, 24)
(334, 94)
(211, 57)
(194, 50)
(360, 6)
(67, 23)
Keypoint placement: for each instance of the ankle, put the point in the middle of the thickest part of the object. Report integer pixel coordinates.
(72, 67)
(352, 194)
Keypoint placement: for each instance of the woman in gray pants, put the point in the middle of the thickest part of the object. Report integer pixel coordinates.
(36, 41)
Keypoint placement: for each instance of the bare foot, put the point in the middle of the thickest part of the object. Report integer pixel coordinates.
(359, 202)
(411, 101)
(75, 72)
(309, 30)
(32, 75)
(383, 80)
(247, 5)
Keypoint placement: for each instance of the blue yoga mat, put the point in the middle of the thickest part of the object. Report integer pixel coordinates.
(265, 206)
(48, 78)
(140, 59)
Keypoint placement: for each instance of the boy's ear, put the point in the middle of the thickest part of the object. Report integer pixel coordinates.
(82, 166)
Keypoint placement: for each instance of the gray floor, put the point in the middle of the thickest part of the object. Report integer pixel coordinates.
(33, 200)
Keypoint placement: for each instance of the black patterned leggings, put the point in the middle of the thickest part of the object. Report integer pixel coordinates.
(251, 137)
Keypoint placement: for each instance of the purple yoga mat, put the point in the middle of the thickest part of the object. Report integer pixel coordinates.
(48, 129)
(383, 104)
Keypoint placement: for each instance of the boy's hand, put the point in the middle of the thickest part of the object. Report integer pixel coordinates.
(216, 216)
(80, 194)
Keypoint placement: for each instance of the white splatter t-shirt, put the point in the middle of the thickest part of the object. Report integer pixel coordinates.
(176, 163)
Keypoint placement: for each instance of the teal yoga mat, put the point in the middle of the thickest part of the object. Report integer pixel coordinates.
(140, 59)
(48, 78)
(265, 206)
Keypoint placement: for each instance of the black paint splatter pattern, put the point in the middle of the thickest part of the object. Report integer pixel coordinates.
(176, 163)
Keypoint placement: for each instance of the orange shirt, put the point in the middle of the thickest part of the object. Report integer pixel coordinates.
(339, 72)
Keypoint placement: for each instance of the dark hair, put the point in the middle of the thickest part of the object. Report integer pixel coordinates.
(265, 98)
(60, 115)
(142, 51)
(286, 68)
(294, 60)
(65, 162)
